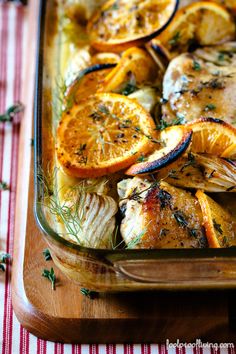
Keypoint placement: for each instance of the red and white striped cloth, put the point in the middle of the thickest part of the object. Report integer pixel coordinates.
(13, 338)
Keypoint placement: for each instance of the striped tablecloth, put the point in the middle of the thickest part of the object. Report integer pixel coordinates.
(14, 338)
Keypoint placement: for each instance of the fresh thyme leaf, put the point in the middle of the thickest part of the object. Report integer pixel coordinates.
(209, 107)
(165, 198)
(115, 6)
(4, 186)
(196, 65)
(172, 174)
(193, 232)
(191, 161)
(11, 112)
(89, 293)
(4, 256)
(221, 56)
(162, 125)
(103, 109)
(174, 40)
(128, 89)
(50, 275)
(3, 260)
(96, 116)
(81, 149)
(217, 227)
(180, 119)
(47, 254)
(180, 218)
(141, 158)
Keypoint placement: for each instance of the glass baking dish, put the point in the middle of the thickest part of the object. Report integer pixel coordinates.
(111, 270)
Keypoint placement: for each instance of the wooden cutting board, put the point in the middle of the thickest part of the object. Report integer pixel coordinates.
(67, 316)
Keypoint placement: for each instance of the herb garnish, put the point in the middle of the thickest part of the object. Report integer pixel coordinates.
(89, 293)
(128, 89)
(221, 57)
(180, 218)
(174, 40)
(3, 260)
(196, 65)
(178, 121)
(4, 186)
(209, 107)
(217, 227)
(191, 162)
(165, 198)
(50, 275)
(11, 112)
(115, 6)
(141, 158)
(193, 232)
(47, 254)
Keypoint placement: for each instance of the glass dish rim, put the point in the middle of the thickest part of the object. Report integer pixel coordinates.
(38, 212)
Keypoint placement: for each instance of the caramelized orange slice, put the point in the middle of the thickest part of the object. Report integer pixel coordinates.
(213, 136)
(87, 83)
(203, 22)
(136, 67)
(219, 224)
(173, 142)
(120, 24)
(103, 134)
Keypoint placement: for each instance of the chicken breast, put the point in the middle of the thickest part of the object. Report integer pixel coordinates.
(158, 215)
(201, 84)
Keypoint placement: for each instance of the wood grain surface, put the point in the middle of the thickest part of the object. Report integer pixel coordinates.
(67, 316)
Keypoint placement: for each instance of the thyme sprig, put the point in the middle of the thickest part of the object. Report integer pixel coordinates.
(50, 275)
(217, 227)
(11, 112)
(89, 293)
(47, 254)
(4, 186)
(179, 120)
(3, 260)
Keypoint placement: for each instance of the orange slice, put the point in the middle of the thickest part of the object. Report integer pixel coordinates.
(136, 67)
(229, 4)
(103, 134)
(219, 224)
(174, 141)
(120, 24)
(105, 58)
(213, 136)
(87, 83)
(203, 22)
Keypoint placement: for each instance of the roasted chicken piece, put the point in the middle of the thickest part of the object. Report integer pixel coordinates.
(158, 215)
(201, 84)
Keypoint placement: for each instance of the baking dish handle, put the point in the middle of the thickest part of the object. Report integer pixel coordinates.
(171, 271)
